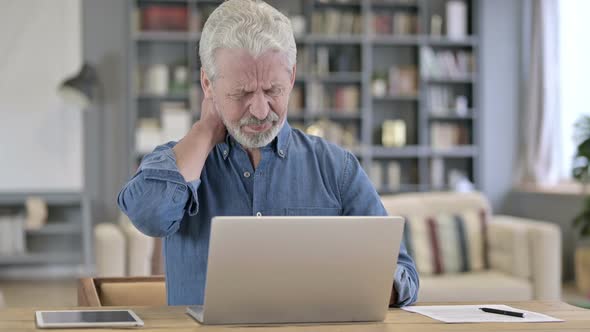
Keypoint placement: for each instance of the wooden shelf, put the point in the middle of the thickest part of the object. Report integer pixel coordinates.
(396, 99)
(411, 151)
(466, 79)
(174, 97)
(466, 151)
(41, 258)
(378, 52)
(335, 115)
(392, 40)
(55, 228)
(166, 36)
(52, 198)
(469, 117)
(447, 42)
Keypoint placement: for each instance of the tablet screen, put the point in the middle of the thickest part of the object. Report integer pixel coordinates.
(87, 317)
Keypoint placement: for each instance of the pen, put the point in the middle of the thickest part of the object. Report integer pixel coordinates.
(503, 312)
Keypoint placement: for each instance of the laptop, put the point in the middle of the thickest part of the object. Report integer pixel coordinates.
(299, 269)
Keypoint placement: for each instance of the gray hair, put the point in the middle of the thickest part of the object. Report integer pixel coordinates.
(248, 24)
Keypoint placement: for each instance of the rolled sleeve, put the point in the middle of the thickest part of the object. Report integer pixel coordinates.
(158, 196)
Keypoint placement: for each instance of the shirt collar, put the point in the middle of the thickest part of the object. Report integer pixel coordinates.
(280, 145)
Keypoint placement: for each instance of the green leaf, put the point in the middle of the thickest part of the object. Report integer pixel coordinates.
(584, 148)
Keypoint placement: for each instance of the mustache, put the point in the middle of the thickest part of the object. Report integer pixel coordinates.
(252, 120)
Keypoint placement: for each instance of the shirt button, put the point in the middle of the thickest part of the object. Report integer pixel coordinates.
(246, 174)
(258, 214)
(225, 153)
(281, 153)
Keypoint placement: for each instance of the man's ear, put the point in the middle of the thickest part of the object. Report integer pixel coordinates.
(206, 84)
(293, 75)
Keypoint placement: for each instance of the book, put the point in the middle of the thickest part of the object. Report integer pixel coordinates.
(296, 101)
(346, 99)
(446, 63)
(448, 135)
(403, 81)
(163, 18)
(336, 22)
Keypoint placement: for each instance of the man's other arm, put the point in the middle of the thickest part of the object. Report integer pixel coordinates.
(359, 198)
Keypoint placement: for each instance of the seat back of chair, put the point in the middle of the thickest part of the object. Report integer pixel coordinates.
(126, 291)
(445, 232)
(434, 203)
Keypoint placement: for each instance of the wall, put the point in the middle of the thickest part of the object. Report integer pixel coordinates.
(500, 30)
(105, 33)
(40, 138)
(553, 207)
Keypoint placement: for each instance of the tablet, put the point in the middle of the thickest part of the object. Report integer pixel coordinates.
(87, 318)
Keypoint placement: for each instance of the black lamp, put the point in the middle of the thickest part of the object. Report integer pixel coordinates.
(82, 89)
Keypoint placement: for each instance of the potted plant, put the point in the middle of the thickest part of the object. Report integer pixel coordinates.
(581, 223)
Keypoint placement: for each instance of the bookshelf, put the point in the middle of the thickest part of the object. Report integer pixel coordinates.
(61, 247)
(366, 68)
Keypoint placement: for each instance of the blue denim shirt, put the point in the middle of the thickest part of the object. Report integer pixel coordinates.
(297, 175)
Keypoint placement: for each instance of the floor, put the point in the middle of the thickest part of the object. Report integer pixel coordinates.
(63, 293)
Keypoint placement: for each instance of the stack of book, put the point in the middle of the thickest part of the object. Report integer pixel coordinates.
(156, 17)
(296, 100)
(443, 101)
(341, 59)
(342, 98)
(440, 100)
(334, 22)
(346, 99)
(398, 24)
(403, 81)
(345, 135)
(448, 135)
(12, 233)
(446, 64)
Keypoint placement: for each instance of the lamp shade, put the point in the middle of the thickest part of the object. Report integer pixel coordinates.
(81, 89)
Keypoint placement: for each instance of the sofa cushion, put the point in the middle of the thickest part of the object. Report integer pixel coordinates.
(475, 287)
(447, 243)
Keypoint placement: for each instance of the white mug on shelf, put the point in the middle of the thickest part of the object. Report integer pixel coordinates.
(456, 19)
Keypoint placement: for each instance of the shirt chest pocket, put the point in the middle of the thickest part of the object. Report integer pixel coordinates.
(313, 211)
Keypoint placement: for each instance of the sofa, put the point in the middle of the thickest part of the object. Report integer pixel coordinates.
(122, 250)
(523, 256)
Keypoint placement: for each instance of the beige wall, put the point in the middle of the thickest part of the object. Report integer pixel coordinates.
(40, 138)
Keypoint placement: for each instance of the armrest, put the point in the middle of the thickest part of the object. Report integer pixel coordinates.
(110, 253)
(139, 249)
(528, 249)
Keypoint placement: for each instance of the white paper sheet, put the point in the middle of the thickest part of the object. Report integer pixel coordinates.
(472, 314)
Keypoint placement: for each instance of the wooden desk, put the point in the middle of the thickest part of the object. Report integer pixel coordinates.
(174, 319)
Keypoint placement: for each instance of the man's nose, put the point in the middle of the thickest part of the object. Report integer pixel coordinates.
(259, 107)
